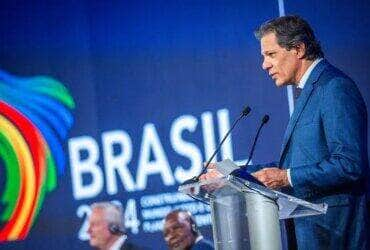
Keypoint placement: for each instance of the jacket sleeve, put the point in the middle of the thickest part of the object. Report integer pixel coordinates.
(254, 168)
(344, 122)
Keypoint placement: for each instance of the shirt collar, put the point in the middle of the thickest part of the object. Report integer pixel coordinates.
(308, 72)
(199, 238)
(118, 243)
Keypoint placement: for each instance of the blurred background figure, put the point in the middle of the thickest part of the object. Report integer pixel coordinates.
(181, 232)
(106, 227)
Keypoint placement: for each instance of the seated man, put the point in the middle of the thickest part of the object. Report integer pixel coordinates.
(181, 232)
(106, 227)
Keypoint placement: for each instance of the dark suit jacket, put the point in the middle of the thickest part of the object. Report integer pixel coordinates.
(203, 245)
(130, 246)
(325, 148)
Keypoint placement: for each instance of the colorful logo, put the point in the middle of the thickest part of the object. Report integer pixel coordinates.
(35, 116)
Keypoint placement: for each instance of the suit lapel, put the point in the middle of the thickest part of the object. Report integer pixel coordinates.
(301, 103)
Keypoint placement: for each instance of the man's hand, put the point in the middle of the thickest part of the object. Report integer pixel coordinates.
(211, 173)
(272, 177)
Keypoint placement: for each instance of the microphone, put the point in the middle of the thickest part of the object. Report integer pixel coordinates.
(265, 119)
(244, 113)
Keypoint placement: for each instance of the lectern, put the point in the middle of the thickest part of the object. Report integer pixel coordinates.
(245, 215)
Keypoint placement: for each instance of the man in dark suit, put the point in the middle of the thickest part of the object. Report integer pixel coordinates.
(324, 152)
(106, 228)
(180, 232)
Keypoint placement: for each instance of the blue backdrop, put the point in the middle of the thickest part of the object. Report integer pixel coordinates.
(156, 84)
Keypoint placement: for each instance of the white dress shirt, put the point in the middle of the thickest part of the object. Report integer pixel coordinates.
(118, 243)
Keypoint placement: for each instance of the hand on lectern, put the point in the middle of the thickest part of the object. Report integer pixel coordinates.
(212, 173)
(272, 177)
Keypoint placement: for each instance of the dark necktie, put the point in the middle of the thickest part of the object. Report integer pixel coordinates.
(297, 92)
(289, 223)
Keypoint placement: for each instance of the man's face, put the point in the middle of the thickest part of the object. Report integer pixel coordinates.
(281, 64)
(177, 232)
(98, 229)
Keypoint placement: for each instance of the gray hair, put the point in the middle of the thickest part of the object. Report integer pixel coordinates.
(113, 212)
(290, 32)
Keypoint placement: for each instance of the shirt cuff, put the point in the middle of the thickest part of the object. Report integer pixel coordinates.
(289, 179)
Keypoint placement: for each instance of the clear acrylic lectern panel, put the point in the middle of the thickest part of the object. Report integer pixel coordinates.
(289, 206)
(246, 215)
